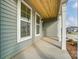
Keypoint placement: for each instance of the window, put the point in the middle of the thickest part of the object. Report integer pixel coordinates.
(25, 12)
(37, 24)
(25, 29)
(24, 21)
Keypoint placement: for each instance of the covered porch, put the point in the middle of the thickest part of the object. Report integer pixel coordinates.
(36, 29)
(45, 48)
(51, 43)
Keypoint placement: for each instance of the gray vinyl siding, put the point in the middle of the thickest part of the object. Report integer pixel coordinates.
(8, 23)
(50, 29)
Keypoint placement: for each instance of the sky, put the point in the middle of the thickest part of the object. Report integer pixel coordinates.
(71, 13)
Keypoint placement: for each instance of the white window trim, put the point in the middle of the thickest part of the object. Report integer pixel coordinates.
(37, 24)
(19, 39)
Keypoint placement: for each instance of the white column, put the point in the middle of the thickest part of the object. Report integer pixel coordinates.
(59, 28)
(63, 43)
(41, 28)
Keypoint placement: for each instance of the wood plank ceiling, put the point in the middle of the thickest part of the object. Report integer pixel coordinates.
(46, 8)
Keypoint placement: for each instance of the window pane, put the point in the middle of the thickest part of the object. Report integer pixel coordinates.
(37, 19)
(25, 29)
(37, 29)
(25, 11)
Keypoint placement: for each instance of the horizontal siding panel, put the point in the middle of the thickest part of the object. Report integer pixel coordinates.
(5, 48)
(4, 4)
(9, 44)
(3, 26)
(8, 23)
(7, 15)
(8, 34)
(12, 49)
(11, 53)
(8, 30)
(8, 19)
(8, 38)
(19, 46)
(9, 2)
(13, 1)
(6, 11)
(5, 33)
(7, 52)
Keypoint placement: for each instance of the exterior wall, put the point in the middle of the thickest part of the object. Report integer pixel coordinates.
(50, 29)
(9, 45)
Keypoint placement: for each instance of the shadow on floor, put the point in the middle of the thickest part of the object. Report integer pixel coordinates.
(42, 54)
(51, 43)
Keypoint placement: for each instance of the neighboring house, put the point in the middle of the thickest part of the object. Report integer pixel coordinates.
(72, 29)
(21, 24)
(72, 33)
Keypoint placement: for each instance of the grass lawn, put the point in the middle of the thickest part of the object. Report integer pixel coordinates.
(73, 33)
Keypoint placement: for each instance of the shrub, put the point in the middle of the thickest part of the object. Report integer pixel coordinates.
(75, 43)
(70, 40)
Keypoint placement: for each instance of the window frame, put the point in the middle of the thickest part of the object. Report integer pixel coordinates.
(19, 19)
(37, 24)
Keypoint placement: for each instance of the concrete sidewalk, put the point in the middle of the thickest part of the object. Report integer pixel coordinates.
(44, 49)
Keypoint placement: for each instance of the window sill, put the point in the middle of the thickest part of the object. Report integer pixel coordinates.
(37, 35)
(24, 38)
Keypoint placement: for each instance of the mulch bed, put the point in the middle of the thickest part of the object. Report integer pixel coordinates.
(72, 50)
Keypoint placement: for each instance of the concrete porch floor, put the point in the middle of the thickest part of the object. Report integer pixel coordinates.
(45, 48)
